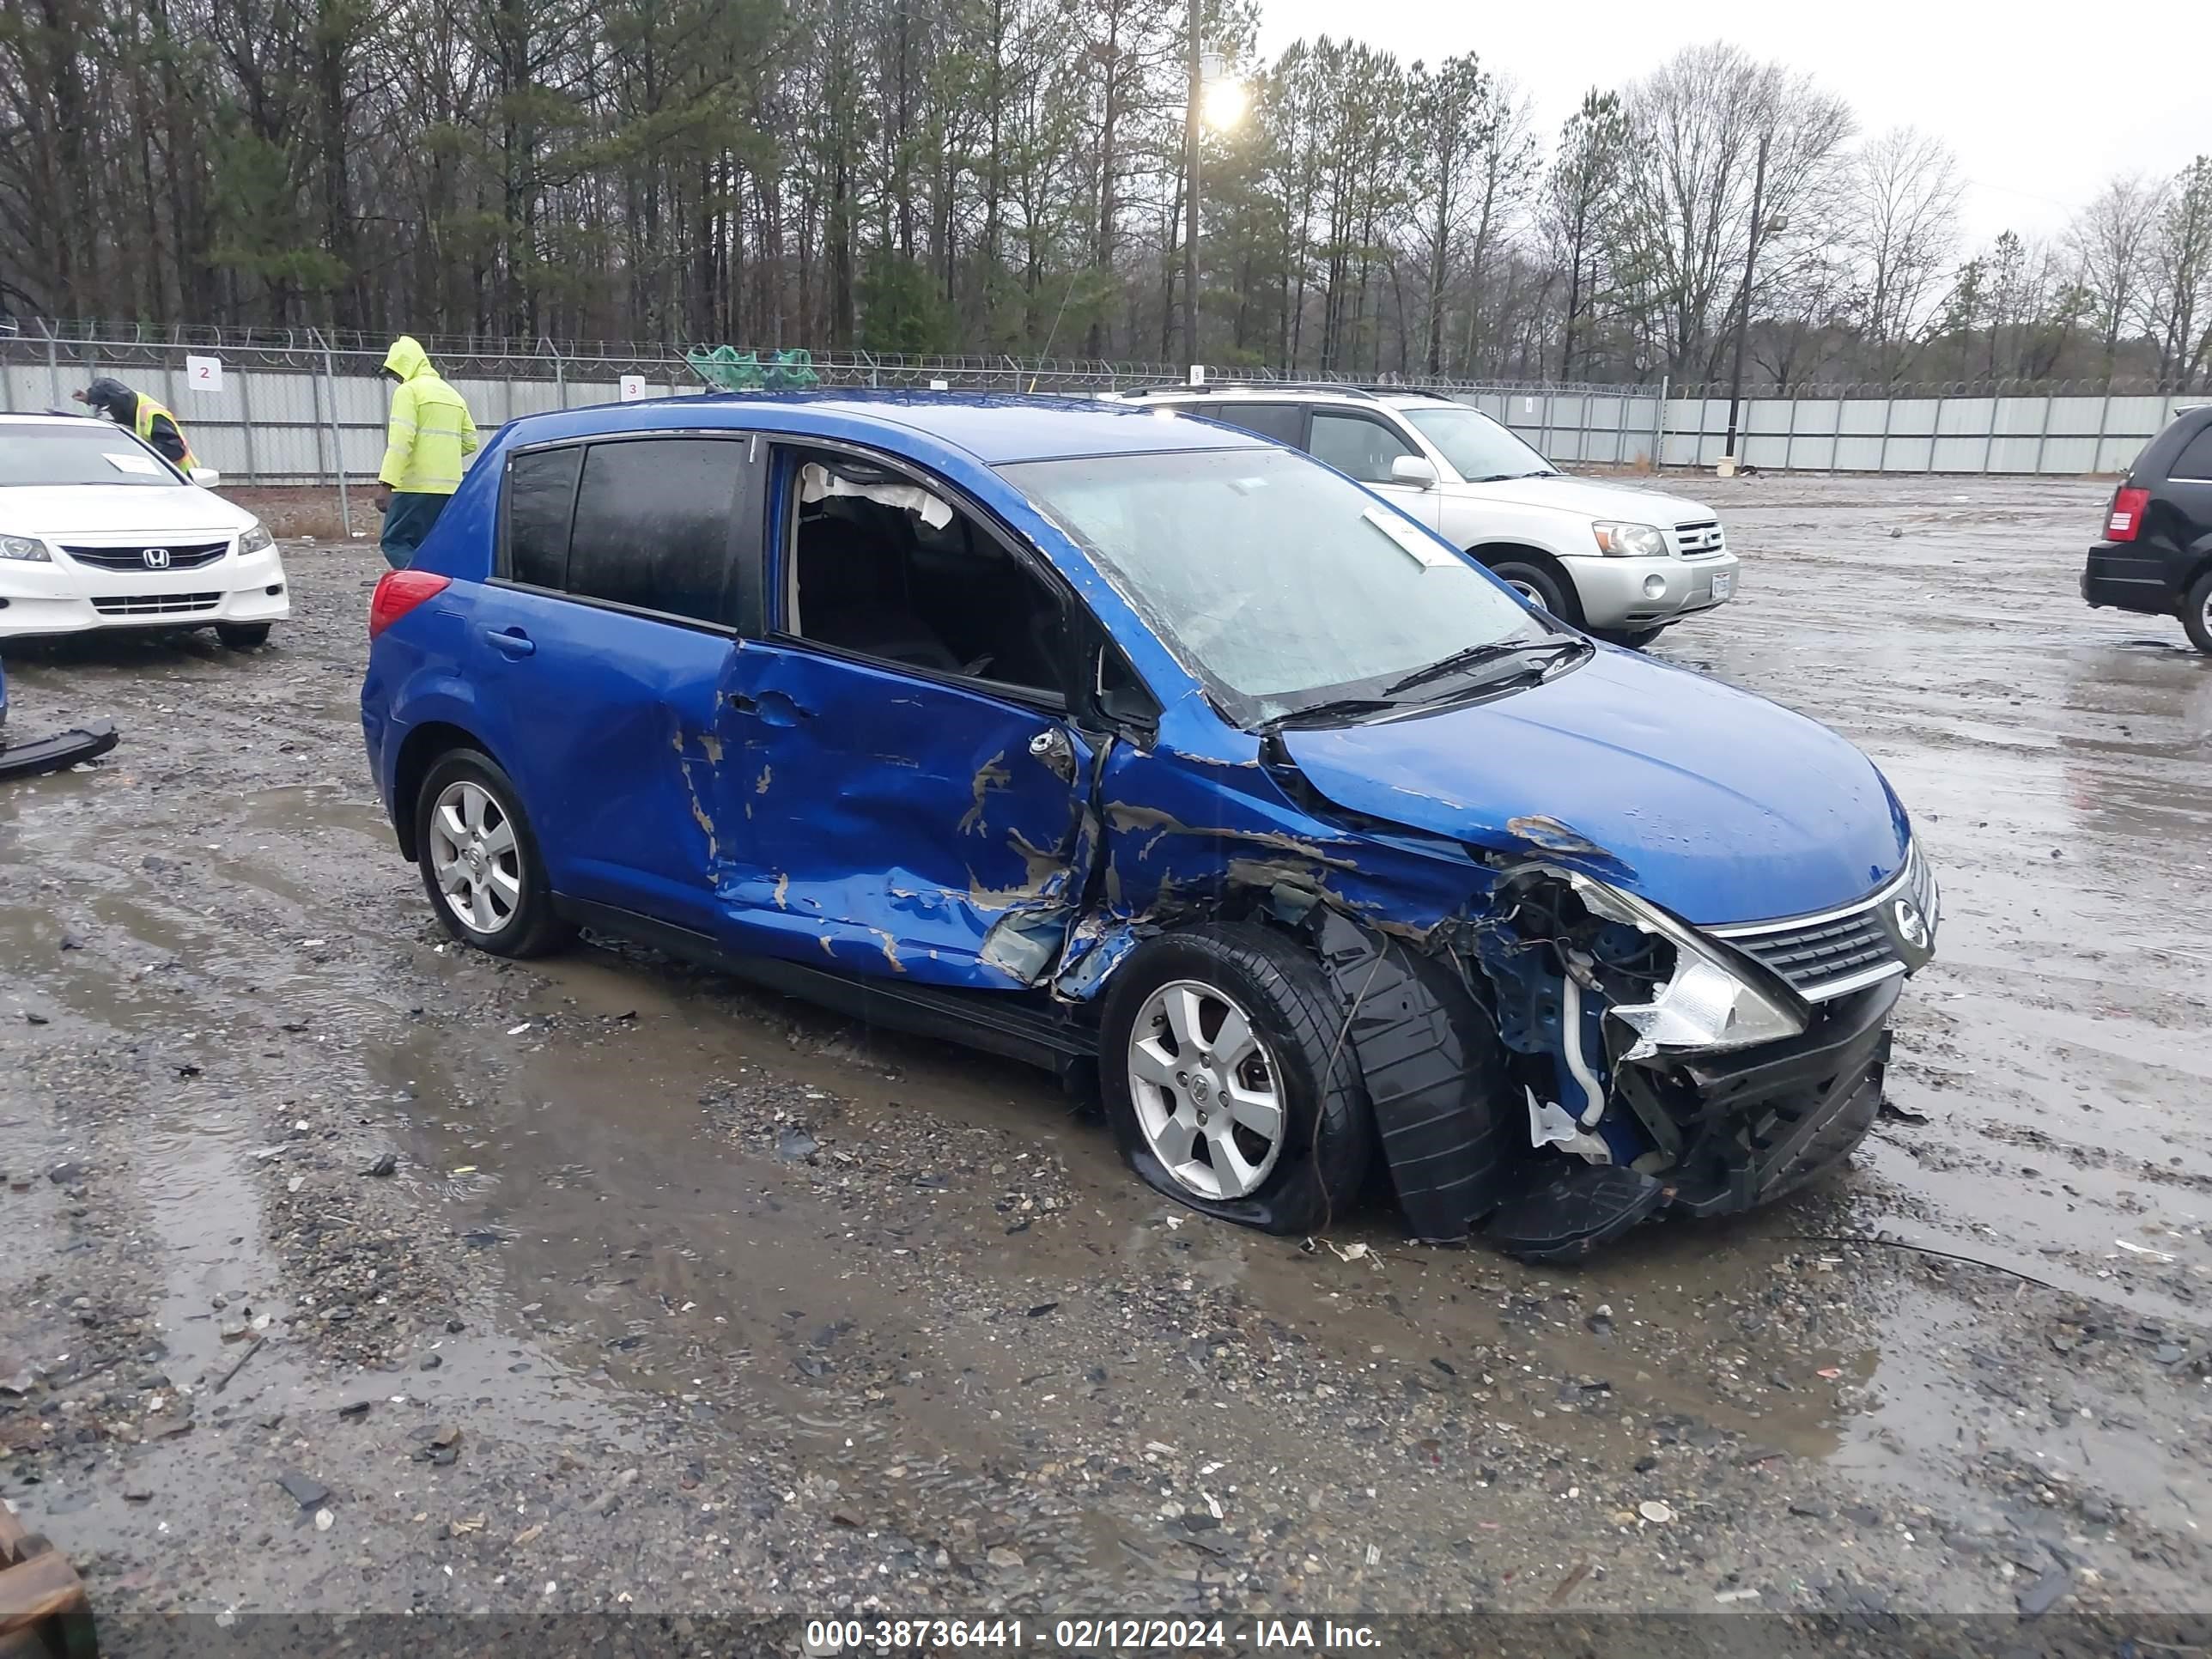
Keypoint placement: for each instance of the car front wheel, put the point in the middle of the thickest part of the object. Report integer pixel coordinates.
(479, 859)
(1230, 1079)
(240, 636)
(1535, 584)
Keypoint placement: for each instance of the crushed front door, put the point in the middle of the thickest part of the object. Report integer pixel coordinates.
(888, 824)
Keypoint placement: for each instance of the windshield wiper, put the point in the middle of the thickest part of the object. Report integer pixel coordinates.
(1475, 655)
(1335, 708)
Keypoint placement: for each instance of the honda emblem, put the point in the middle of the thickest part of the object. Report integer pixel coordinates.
(157, 558)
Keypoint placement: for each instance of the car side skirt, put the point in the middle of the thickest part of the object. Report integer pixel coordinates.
(1034, 1029)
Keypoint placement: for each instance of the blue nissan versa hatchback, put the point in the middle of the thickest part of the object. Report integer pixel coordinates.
(1102, 737)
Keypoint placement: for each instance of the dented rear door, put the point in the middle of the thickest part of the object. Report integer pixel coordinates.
(891, 823)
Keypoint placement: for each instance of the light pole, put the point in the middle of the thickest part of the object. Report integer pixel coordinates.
(1192, 115)
(1220, 105)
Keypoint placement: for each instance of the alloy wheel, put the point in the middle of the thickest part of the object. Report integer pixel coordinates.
(1207, 1093)
(475, 856)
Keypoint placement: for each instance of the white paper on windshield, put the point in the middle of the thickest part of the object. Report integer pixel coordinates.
(1423, 550)
(140, 464)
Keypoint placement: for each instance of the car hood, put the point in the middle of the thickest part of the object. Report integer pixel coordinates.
(179, 510)
(1591, 498)
(1715, 804)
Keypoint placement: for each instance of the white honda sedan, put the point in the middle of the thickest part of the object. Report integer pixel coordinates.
(98, 530)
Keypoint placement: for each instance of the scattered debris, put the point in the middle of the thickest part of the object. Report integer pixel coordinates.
(306, 1491)
(2161, 1257)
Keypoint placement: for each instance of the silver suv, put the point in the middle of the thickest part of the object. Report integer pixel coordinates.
(1619, 560)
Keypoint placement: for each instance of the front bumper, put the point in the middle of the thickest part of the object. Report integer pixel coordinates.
(69, 598)
(1768, 1120)
(1647, 593)
(52, 753)
(2142, 576)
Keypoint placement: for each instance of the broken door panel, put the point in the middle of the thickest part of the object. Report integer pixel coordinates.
(885, 823)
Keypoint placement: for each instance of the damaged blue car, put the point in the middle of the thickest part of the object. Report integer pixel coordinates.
(1137, 746)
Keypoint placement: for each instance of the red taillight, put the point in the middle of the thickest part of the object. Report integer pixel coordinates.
(2125, 519)
(397, 592)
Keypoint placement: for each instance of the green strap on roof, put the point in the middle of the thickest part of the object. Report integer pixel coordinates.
(726, 369)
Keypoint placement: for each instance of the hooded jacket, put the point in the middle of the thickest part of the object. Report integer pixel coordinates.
(430, 429)
(142, 415)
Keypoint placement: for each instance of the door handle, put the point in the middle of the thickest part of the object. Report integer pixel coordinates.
(773, 707)
(512, 642)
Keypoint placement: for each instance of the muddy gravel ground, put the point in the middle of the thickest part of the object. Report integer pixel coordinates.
(678, 1299)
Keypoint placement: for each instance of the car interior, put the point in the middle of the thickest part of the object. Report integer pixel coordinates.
(884, 568)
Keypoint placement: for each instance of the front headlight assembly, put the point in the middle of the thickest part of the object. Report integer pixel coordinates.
(1714, 1000)
(1629, 541)
(29, 549)
(256, 540)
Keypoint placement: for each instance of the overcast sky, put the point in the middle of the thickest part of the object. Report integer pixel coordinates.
(2042, 102)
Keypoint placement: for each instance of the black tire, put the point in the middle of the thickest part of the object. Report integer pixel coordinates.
(1634, 638)
(1328, 1137)
(1540, 585)
(530, 927)
(242, 636)
(2197, 613)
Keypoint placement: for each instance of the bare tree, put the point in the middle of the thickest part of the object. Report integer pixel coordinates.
(2111, 240)
(2177, 301)
(1580, 196)
(1901, 226)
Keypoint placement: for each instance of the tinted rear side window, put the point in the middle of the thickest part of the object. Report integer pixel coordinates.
(654, 523)
(541, 494)
(2195, 461)
(1283, 422)
(1355, 445)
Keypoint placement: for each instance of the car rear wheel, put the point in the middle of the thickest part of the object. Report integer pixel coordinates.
(479, 859)
(1230, 1082)
(240, 636)
(2197, 613)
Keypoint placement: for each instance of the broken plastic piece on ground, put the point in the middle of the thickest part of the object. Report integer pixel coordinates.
(1579, 1207)
(2144, 1250)
(25, 760)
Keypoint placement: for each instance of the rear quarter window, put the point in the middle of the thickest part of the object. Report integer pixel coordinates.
(541, 498)
(2194, 464)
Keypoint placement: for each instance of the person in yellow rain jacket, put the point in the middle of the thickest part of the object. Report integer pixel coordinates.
(429, 434)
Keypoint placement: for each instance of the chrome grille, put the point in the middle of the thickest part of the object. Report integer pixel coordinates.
(1822, 953)
(153, 604)
(1839, 950)
(189, 556)
(1701, 539)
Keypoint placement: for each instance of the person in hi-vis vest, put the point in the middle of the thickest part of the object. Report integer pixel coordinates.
(429, 436)
(139, 412)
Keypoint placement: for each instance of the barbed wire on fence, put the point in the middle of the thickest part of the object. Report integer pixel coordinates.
(306, 348)
(303, 406)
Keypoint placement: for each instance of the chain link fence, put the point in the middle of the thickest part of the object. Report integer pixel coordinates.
(304, 406)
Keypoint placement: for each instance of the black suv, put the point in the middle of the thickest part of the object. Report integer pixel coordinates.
(2156, 556)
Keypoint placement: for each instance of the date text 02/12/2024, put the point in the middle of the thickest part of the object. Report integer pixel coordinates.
(824, 1637)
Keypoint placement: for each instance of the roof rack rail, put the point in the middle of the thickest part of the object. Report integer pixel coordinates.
(1214, 388)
